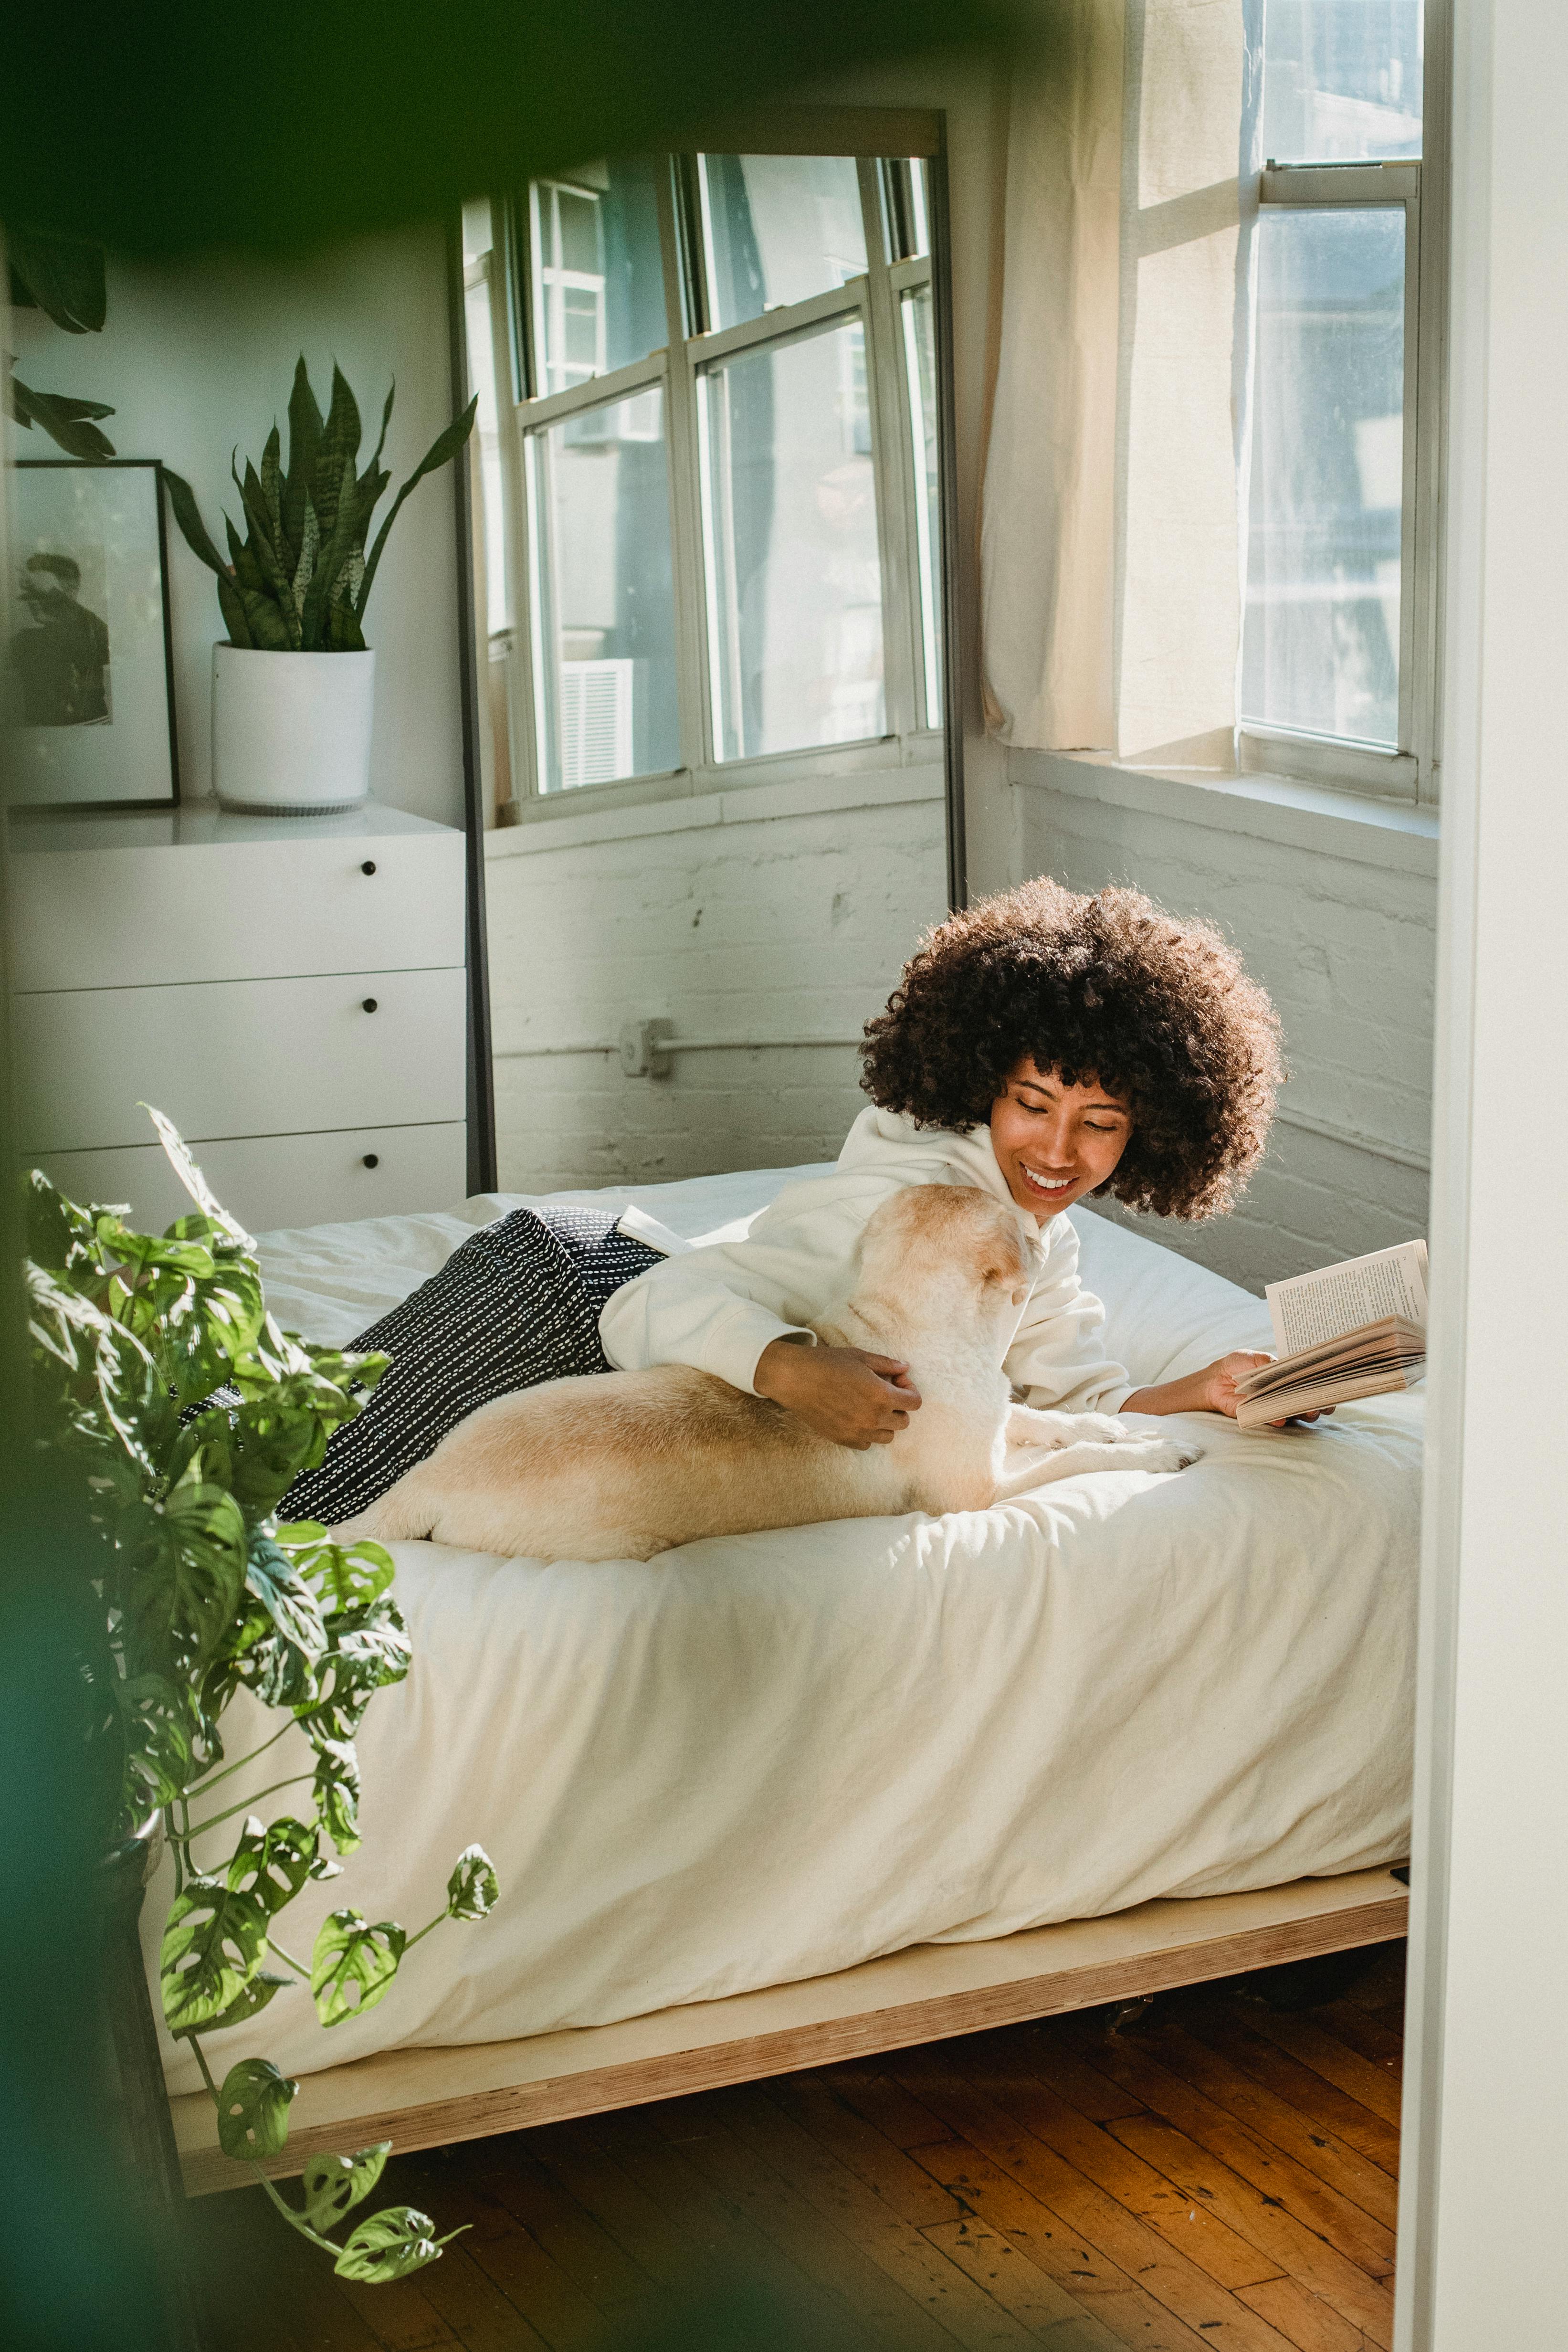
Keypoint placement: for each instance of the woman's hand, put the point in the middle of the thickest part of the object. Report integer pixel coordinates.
(1211, 1391)
(844, 1393)
(1219, 1379)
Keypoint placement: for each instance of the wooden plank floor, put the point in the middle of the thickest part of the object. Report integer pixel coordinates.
(1219, 2168)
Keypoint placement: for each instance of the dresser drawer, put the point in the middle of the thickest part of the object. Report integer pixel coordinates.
(291, 902)
(240, 1058)
(266, 1181)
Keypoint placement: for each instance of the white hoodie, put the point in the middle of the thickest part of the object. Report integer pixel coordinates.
(718, 1307)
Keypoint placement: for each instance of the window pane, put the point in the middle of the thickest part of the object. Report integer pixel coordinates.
(778, 229)
(1341, 80)
(478, 236)
(599, 295)
(604, 645)
(1320, 641)
(794, 578)
(920, 364)
(482, 377)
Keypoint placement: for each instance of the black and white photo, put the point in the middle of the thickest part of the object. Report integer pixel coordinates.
(86, 676)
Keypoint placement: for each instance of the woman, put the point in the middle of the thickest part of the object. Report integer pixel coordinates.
(1047, 1047)
(1044, 1046)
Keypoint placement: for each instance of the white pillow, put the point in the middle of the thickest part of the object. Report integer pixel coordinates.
(1164, 1317)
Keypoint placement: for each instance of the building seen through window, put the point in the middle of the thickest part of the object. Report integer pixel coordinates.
(1332, 642)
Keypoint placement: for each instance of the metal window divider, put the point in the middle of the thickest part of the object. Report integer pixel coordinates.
(892, 444)
(685, 306)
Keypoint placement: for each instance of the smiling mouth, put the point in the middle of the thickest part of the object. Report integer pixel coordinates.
(1050, 1186)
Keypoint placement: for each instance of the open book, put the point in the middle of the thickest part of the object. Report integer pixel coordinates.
(1350, 1330)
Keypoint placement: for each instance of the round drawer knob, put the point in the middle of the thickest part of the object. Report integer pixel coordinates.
(371, 1160)
(369, 1005)
(369, 866)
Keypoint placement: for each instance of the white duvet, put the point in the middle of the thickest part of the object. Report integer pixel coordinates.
(764, 1757)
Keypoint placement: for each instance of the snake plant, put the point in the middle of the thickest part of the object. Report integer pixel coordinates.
(299, 581)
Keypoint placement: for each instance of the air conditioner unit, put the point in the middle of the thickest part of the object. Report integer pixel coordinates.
(595, 721)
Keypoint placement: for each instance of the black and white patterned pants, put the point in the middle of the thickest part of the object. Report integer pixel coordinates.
(518, 1304)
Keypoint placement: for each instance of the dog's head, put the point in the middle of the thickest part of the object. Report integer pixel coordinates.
(952, 1249)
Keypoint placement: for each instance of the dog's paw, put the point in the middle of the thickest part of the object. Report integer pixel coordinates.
(1171, 1453)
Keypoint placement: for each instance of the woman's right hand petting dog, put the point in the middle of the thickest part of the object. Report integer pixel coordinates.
(846, 1394)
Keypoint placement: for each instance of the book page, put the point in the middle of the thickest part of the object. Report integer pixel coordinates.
(1310, 1309)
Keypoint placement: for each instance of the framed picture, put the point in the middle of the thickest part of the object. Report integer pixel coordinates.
(86, 682)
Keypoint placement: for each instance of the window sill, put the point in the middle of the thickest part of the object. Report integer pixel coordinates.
(549, 825)
(1390, 834)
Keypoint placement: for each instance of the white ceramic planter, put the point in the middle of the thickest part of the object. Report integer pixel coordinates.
(291, 732)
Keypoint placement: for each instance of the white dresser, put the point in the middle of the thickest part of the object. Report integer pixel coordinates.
(291, 991)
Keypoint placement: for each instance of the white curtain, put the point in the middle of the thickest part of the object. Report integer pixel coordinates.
(1110, 535)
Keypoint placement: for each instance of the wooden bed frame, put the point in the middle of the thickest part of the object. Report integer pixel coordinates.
(427, 2098)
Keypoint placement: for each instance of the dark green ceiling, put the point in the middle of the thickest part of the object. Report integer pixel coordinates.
(184, 122)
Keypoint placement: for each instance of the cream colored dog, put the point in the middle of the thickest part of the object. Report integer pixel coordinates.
(624, 1465)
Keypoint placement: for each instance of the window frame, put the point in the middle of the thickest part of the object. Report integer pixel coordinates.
(875, 297)
(1412, 772)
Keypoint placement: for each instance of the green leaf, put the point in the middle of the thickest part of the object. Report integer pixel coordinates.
(272, 495)
(339, 448)
(309, 548)
(191, 1177)
(336, 1790)
(187, 514)
(187, 1562)
(305, 430)
(353, 1964)
(63, 276)
(374, 465)
(343, 1577)
(334, 2185)
(344, 635)
(274, 571)
(332, 559)
(473, 1889)
(161, 1722)
(60, 1236)
(253, 2110)
(271, 631)
(287, 1600)
(391, 2244)
(441, 449)
(63, 418)
(272, 1864)
(232, 606)
(248, 2004)
(214, 1945)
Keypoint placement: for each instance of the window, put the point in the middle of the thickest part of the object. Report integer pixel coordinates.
(717, 485)
(1339, 638)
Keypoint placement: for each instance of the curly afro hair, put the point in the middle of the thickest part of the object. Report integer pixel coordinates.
(1107, 991)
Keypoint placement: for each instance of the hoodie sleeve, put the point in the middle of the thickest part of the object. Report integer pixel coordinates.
(1058, 1362)
(717, 1308)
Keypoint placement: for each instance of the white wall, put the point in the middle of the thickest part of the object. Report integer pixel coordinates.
(1482, 2242)
(197, 356)
(774, 910)
(1333, 905)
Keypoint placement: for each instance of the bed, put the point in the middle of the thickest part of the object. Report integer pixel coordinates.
(784, 1797)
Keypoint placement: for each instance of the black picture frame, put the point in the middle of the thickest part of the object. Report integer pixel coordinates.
(62, 761)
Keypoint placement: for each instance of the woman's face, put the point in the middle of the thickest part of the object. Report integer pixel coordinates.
(1054, 1142)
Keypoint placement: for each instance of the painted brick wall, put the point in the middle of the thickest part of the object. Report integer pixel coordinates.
(764, 913)
(1345, 944)
(770, 913)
